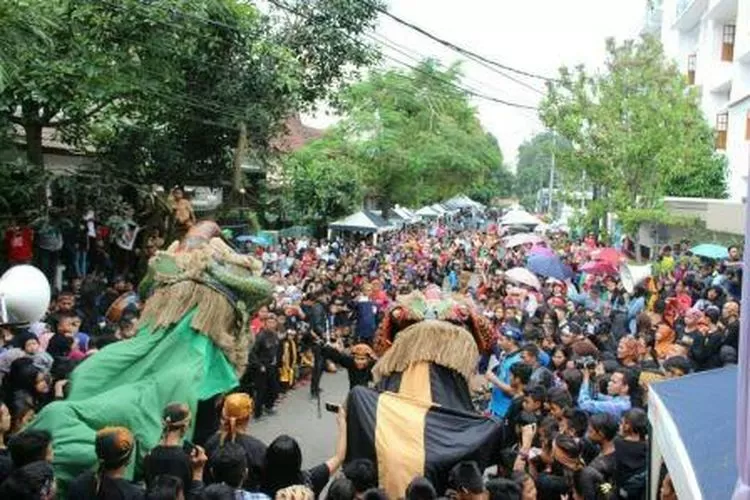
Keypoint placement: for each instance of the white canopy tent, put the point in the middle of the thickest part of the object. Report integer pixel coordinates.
(462, 201)
(429, 212)
(440, 209)
(405, 214)
(363, 221)
(519, 218)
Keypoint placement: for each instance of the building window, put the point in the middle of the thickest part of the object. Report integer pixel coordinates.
(692, 59)
(727, 42)
(722, 123)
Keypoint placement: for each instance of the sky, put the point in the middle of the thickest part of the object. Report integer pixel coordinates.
(537, 36)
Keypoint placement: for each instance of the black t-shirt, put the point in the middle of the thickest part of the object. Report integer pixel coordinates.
(631, 458)
(255, 453)
(167, 460)
(732, 337)
(84, 487)
(318, 478)
(266, 348)
(6, 466)
(357, 376)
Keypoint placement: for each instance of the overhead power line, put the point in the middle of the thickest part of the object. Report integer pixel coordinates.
(458, 48)
(414, 55)
(216, 107)
(473, 93)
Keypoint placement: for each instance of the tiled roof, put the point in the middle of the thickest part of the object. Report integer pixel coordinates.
(297, 135)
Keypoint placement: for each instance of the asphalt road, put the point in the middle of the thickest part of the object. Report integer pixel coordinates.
(297, 416)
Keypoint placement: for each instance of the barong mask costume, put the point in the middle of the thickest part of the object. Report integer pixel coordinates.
(191, 345)
(421, 421)
(204, 274)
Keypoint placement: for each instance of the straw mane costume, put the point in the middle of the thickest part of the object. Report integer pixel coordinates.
(192, 344)
(420, 421)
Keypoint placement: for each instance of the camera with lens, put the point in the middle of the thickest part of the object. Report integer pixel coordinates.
(585, 363)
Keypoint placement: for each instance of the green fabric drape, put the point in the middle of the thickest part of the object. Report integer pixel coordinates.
(128, 384)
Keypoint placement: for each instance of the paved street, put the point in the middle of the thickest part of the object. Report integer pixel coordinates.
(297, 416)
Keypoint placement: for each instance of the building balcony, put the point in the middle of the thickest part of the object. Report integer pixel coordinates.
(689, 13)
(722, 10)
(652, 21)
(719, 79)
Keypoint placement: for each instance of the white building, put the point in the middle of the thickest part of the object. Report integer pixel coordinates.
(710, 41)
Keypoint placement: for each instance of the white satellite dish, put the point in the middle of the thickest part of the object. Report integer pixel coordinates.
(24, 295)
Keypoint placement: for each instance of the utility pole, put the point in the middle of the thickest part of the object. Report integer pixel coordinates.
(238, 177)
(552, 173)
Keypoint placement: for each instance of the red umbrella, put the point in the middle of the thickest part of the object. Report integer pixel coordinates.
(609, 255)
(599, 267)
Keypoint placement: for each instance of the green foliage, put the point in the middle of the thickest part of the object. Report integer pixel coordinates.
(407, 138)
(160, 88)
(322, 185)
(534, 163)
(20, 185)
(636, 130)
(21, 27)
(632, 219)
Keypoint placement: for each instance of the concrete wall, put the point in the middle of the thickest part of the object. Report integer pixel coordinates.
(725, 216)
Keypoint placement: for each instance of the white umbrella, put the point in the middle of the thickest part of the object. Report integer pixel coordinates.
(520, 218)
(524, 277)
(522, 239)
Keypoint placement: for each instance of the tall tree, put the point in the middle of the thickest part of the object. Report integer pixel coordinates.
(636, 130)
(533, 168)
(163, 87)
(322, 186)
(414, 137)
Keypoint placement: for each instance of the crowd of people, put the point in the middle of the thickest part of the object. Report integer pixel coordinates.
(568, 376)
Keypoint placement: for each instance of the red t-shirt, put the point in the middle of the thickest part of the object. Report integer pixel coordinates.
(18, 245)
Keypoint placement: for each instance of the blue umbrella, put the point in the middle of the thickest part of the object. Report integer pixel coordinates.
(710, 251)
(549, 266)
(258, 240)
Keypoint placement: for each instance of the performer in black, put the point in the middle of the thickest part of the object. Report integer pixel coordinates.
(266, 355)
(317, 317)
(358, 363)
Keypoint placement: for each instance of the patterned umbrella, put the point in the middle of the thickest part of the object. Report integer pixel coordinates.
(522, 239)
(523, 276)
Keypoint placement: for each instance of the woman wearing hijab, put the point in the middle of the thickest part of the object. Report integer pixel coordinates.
(26, 383)
(630, 351)
(664, 339)
(235, 420)
(114, 449)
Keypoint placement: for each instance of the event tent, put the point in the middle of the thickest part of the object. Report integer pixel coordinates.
(693, 432)
(519, 218)
(428, 212)
(462, 201)
(364, 221)
(405, 214)
(441, 210)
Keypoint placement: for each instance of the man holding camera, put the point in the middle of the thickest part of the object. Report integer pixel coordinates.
(616, 402)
